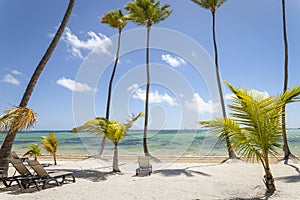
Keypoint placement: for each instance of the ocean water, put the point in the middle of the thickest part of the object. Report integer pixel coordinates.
(163, 142)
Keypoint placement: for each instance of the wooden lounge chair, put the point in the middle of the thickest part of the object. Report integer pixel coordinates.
(144, 166)
(14, 155)
(24, 179)
(46, 177)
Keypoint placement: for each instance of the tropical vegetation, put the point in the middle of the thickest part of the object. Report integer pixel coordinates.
(112, 129)
(115, 19)
(287, 152)
(33, 150)
(213, 5)
(255, 128)
(146, 13)
(20, 117)
(50, 144)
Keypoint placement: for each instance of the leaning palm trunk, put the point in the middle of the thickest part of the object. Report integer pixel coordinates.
(116, 159)
(146, 151)
(104, 139)
(10, 137)
(228, 144)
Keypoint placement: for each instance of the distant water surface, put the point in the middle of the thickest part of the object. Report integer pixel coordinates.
(163, 142)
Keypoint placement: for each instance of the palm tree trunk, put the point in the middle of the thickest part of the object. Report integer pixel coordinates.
(47, 55)
(10, 137)
(116, 160)
(104, 139)
(286, 149)
(228, 144)
(5, 152)
(54, 158)
(269, 181)
(146, 151)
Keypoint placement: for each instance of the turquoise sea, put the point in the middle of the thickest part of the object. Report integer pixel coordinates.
(163, 142)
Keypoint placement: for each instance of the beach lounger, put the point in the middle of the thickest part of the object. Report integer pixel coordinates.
(24, 179)
(14, 155)
(144, 166)
(46, 177)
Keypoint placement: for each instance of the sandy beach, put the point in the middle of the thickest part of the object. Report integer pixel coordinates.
(189, 178)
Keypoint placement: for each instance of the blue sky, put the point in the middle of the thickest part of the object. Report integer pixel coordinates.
(249, 36)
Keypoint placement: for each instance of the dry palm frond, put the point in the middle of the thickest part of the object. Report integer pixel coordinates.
(50, 144)
(17, 118)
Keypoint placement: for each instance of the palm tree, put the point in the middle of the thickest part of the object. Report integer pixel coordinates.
(255, 126)
(213, 5)
(147, 13)
(21, 111)
(50, 144)
(112, 129)
(33, 150)
(115, 19)
(286, 149)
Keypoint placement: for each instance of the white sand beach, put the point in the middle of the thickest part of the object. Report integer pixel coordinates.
(184, 180)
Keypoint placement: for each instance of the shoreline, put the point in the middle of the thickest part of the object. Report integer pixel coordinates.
(163, 159)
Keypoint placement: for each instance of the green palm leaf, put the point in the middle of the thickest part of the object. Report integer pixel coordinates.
(147, 12)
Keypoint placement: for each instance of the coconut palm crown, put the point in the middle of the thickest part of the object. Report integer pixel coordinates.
(212, 5)
(50, 144)
(147, 12)
(255, 126)
(115, 19)
(112, 129)
(33, 150)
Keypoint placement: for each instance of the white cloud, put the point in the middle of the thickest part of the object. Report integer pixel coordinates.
(251, 92)
(73, 85)
(173, 61)
(16, 72)
(154, 97)
(10, 79)
(199, 105)
(133, 87)
(75, 45)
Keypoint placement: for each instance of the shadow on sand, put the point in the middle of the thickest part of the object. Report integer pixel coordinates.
(178, 172)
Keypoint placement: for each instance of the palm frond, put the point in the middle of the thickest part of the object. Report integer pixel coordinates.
(147, 12)
(112, 129)
(50, 143)
(17, 118)
(115, 19)
(291, 95)
(212, 5)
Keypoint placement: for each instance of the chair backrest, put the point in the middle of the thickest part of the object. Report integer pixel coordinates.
(14, 155)
(38, 168)
(144, 161)
(20, 167)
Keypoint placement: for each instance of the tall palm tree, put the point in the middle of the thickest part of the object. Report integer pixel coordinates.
(112, 129)
(147, 13)
(33, 150)
(21, 110)
(286, 149)
(115, 19)
(213, 5)
(255, 126)
(50, 144)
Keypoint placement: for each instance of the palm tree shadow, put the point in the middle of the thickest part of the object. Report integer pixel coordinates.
(290, 179)
(93, 175)
(286, 162)
(178, 172)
